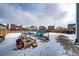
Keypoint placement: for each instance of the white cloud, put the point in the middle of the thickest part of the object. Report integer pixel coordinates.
(71, 13)
(44, 14)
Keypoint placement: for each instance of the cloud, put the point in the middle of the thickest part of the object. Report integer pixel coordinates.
(38, 14)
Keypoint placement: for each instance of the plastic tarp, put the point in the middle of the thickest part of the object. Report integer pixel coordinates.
(27, 33)
(39, 34)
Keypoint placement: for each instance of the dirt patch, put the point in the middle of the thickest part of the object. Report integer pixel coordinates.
(67, 44)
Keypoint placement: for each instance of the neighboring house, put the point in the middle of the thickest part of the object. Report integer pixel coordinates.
(72, 26)
(33, 28)
(42, 28)
(60, 28)
(19, 27)
(2, 26)
(51, 27)
(25, 28)
(16, 27)
(13, 27)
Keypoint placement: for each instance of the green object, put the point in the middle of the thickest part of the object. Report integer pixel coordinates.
(26, 33)
(39, 34)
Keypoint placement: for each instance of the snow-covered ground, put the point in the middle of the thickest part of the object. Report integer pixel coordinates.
(43, 49)
(72, 37)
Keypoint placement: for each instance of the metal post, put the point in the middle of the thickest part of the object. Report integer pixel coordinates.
(77, 28)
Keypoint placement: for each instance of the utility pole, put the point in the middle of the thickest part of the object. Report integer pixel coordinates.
(77, 20)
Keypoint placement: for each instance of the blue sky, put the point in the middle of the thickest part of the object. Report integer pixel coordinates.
(38, 14)
(25, 6)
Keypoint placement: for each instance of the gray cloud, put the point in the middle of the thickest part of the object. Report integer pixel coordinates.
(43, 14)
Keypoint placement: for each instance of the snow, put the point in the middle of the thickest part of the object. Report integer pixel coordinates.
(43, 49)
(71, 36)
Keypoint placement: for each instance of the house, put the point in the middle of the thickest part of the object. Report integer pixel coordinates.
(16, 27)
(13, 27)
(72, 26)
(60, 28)
(42, 28)
(19, 27)
(2, 26)
(25, 28)
(33, 28)
(51, 27)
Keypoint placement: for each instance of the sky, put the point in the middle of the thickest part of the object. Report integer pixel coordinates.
(39, 14)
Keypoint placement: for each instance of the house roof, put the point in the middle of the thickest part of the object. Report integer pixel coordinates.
(3, 25)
